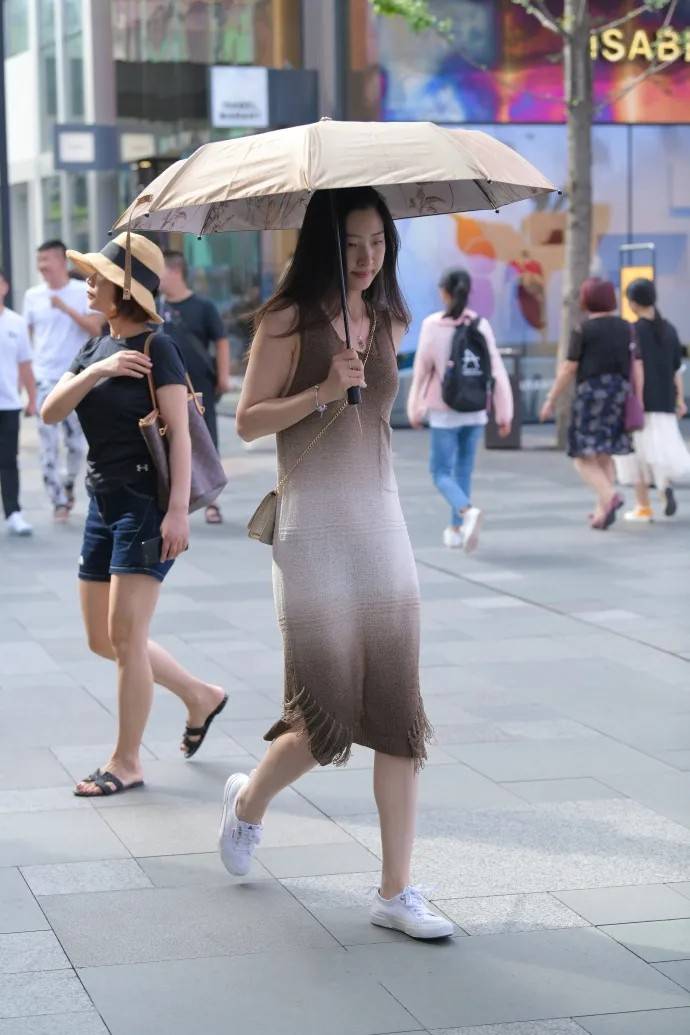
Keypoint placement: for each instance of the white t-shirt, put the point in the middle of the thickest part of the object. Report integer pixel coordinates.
(56, 337)
(14, 349)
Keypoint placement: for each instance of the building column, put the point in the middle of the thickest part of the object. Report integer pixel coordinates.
(325, 36)
(101, 108)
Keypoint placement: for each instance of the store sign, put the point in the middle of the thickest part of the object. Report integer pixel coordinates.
(85, 148)
(239, 97)
(77, 147)
(665, 45)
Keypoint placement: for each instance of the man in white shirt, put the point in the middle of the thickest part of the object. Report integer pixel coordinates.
(15, 374)
(59, 322)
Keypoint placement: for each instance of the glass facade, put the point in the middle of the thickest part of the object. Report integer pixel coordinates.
(16, 27)
(516, 258)
(162, 52)
(52, 207)
(47, 71)
(73, 50)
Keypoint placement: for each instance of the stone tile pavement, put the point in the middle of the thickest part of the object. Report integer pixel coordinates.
(554, 813)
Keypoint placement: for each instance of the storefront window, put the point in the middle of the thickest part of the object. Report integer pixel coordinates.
(74, 59)
(52, 207)
(48, 72)
(204, 32)
(79, 213)
(16, 27)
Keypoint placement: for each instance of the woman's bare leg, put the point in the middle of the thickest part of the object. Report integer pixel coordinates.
(395, 790)
(199, 697)
(132, 601)
(286, 760)
(592, 473)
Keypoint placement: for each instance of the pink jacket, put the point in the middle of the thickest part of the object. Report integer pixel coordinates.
(431, 359)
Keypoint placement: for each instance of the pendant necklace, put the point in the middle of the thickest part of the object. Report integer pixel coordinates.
(360, 336)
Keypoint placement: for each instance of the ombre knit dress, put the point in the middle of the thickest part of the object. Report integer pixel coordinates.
(344, 576)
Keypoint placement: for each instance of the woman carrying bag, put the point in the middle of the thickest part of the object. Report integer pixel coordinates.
(600, 361)
(661, 456)
(345, 581)
(130, 542)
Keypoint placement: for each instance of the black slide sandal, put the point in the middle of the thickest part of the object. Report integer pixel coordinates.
(193, 746)
(109, 784)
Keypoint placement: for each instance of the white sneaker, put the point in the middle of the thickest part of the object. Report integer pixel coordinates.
(17, 524)
(409, 913)
(452, 538)
(237, 840)
(471, 527)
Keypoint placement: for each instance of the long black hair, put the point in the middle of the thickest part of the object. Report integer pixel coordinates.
(311, 281)
(643, 292)
(458, 284)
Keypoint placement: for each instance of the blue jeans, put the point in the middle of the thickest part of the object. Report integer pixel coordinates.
(453, 451)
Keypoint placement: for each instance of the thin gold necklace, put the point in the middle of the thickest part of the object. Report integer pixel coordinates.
(360, 336)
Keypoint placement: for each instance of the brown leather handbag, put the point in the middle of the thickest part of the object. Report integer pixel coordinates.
(208, 477)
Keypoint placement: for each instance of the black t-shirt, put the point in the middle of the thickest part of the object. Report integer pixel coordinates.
(109, 414)
(601, 346)
(658, 347)
(195, 324)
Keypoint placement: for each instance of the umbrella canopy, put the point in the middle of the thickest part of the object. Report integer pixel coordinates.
(265, 181)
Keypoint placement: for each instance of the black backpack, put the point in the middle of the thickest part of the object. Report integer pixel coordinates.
(467, 382)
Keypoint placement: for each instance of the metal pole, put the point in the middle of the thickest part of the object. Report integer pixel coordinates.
(354, 395)
(5, 229)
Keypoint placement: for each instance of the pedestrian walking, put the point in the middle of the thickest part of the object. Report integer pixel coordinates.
(601, 363)
(196, 325)
(15, 374)
(129, 543)
(458, 371)
(661, 456)
(345, 581)
(59, 322)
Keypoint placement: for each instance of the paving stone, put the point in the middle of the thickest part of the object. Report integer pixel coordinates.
(657, 941)
(71, 878)
(560, 1027)
(569, 789)
(179, 871)
(181, 922)
(310, 993)
(40, 799)
(678, 972)
(25, 768)
(570, 845)
(658, 1022)
(87, 1023)
(345, 792)
(37, 838)
(503, 914)
(32, 951)
(318, 859)
(627, 905)
(455, 983)
(27, 995)
(19, 910)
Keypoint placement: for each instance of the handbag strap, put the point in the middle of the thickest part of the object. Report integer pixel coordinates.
(331, 422)
(152, 387)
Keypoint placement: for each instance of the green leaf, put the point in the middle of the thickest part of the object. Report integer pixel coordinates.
(416, 13)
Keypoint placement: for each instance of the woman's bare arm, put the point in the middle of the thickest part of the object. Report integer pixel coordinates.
(261, 410)
(172, 403)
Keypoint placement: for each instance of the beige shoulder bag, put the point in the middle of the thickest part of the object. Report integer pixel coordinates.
(262, 523)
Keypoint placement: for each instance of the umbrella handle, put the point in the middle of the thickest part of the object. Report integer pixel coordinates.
(354, 395)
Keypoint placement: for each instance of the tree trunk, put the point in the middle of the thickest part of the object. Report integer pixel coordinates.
(577, 66)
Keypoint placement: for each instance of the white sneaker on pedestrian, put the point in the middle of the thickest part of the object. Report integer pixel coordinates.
(17, 524)
(452, 538)
(237, 840)
(408, 912)
(471, 527)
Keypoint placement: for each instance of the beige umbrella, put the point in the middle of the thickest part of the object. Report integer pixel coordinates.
(264, 181)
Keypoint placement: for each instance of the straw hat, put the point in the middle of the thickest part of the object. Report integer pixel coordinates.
(132, 262)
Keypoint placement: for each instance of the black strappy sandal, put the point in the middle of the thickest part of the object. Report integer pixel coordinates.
(108, 784)
(192, 746)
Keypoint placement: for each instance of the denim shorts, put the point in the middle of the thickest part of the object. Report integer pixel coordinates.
(117, 523)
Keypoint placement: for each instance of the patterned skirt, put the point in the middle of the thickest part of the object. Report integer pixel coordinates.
(598, 419)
